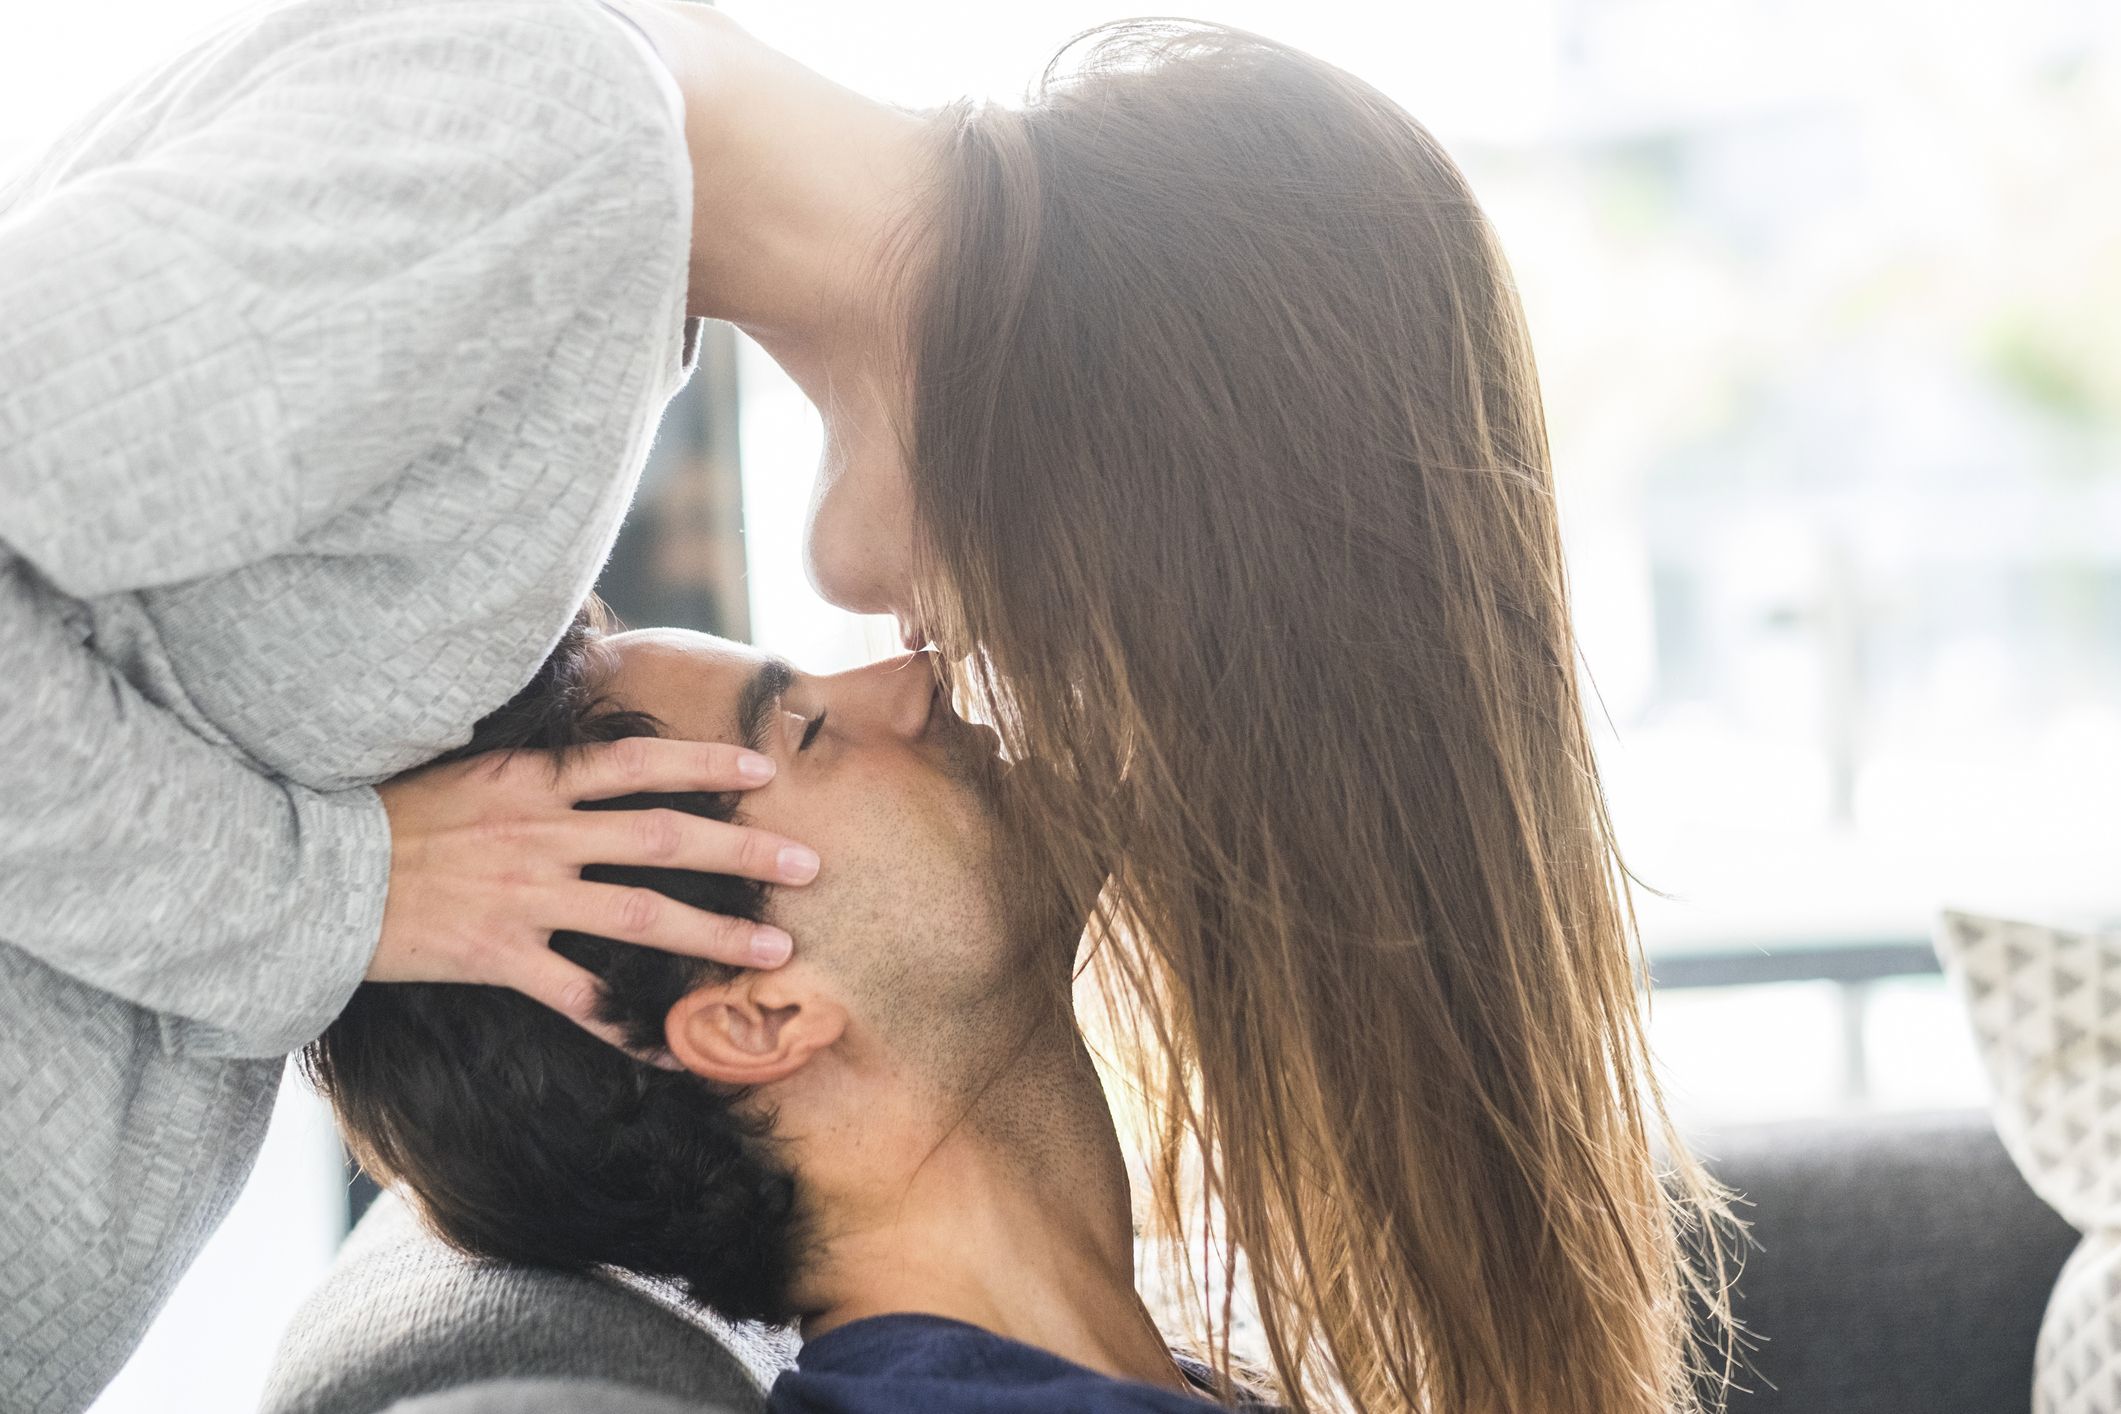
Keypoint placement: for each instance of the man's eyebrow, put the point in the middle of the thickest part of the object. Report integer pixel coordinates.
(761, 694)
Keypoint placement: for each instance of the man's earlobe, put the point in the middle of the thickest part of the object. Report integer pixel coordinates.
(732, 1034)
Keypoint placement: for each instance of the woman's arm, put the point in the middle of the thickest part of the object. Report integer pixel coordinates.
(139, 858)
(352, 228)
(355, 225)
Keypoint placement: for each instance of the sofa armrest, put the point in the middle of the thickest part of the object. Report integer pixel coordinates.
(1902, 1265)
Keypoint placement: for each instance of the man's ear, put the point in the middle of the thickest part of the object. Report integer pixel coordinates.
(757, 1029)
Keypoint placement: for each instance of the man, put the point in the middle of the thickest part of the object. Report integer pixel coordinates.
(897, 1139)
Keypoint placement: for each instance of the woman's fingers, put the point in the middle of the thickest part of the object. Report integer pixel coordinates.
(546, 977)
(574, 992)
(487, 854)
(637, 915)
(672, 839)
(647, 763)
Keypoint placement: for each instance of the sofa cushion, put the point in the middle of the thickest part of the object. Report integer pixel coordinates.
(1901, 1265)
(548, 1397)
(401, 1314)
(2046, 1010)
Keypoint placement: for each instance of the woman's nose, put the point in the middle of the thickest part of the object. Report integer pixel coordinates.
(894, 696)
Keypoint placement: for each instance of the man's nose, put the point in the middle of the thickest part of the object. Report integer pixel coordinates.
(893, 697)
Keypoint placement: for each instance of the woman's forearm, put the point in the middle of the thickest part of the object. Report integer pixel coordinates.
(139, 858)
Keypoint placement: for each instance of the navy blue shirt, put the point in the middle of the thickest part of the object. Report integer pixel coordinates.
(933, 1365)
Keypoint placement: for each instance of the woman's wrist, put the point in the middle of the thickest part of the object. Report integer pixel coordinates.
(341, 887)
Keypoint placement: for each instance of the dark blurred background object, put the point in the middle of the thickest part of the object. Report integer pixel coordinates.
(679, 560)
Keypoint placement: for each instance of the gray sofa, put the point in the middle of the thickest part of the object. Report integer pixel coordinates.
(1902, 1267)
(400, 1315)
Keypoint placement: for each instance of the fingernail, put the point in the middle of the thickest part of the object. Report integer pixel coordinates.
(798, 865)
(754, 768)
(770, 947)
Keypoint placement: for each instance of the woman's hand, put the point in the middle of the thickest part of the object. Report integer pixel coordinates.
(487, 853)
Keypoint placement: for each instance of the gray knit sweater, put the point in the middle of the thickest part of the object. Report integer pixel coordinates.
(329, 354)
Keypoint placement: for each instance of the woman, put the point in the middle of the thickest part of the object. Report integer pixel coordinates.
(1223, 475)
(1200, 428)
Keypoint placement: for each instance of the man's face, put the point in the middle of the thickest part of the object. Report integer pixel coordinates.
(897, 795)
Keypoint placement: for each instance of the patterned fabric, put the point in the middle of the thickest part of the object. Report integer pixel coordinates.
(551, 1397)
(402, 1315)
(329, 354)
(2046, 1009)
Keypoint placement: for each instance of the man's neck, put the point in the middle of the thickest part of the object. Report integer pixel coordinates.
(1034, 1246)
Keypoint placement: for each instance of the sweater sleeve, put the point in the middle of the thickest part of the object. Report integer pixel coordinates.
(139, 858)
(334, 250)
(338, 245)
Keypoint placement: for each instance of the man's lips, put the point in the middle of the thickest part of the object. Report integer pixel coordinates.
(971, 745)
(989, 739)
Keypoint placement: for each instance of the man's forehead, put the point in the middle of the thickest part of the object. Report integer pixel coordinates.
(689, 680)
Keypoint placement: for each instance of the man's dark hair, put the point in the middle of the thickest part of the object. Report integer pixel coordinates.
(524, 1138)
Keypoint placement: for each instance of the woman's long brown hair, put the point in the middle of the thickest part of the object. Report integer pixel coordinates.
(1229, 465)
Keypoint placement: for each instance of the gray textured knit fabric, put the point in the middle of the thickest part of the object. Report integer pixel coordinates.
(402, 1315)
(329, 354)
(552, 1397)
